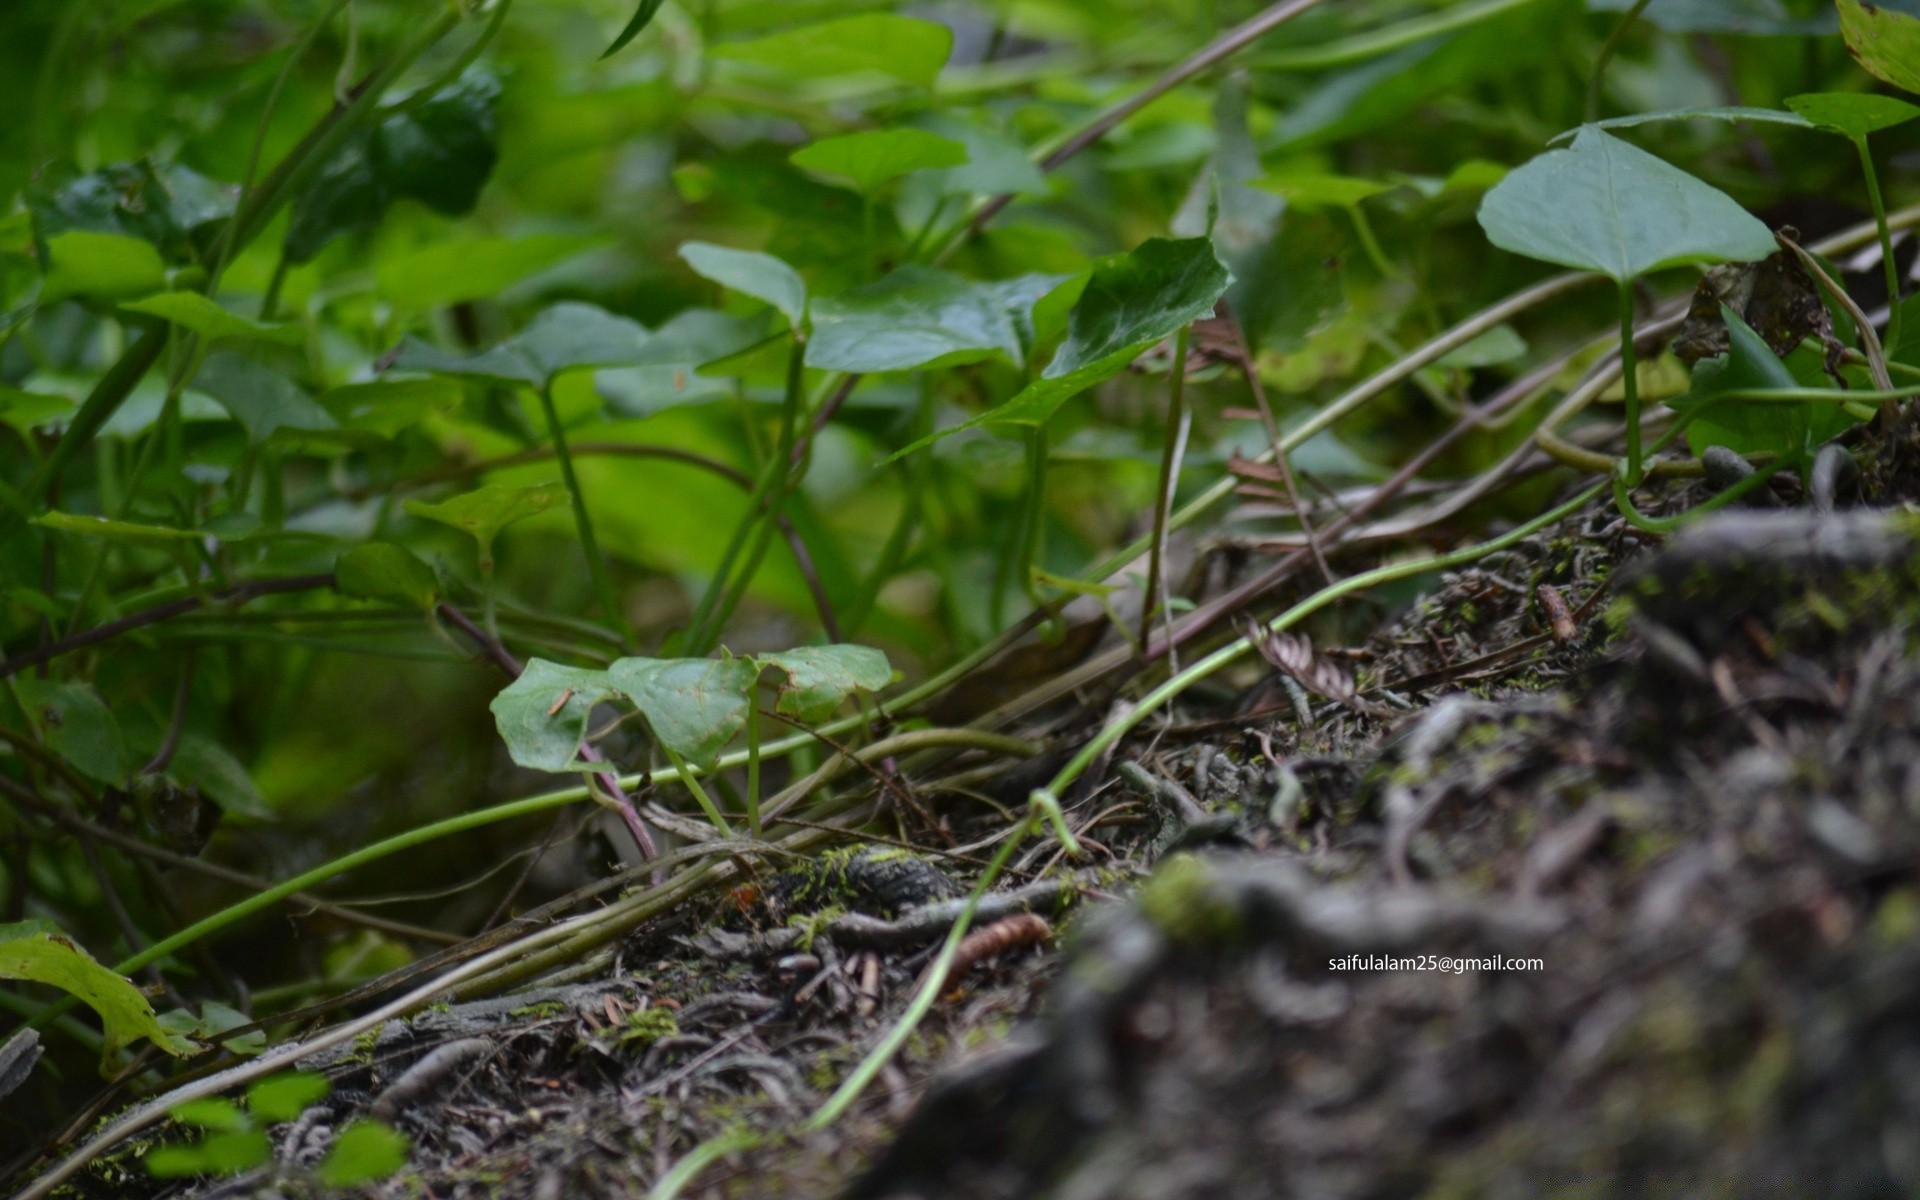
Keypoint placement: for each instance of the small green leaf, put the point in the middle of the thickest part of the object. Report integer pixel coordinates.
(262, 399)
(921, 317)
(36, 951)
(1750, 427)
(215, 1019)
(1883, 40)
(229, 1153)
(1603, 205)
(210, 768)
(542, 716)
(438, 151)
(1309, 190)
(212, 1113)
(364, 1151)
(100, 266)
(195, 312)
(904, 48)
(28, 411)
(694, 706)
(751, 273)
(562, 338)
(484, 512)
(820, 678)
(873, 158)
(387, 406)
(642, 17)
(1855, 114)
(78, 726)
(385, 571)
(469, 268)
(285, 1096)
(107, 527)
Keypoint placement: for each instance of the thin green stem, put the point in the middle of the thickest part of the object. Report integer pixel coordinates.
(1623, 499)
(699, 791)
(1886, 241)
(1630, 383)
(596, 561)
(753, 773)
(1607, 51)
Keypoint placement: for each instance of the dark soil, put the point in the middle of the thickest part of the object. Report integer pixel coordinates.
(1694, 799)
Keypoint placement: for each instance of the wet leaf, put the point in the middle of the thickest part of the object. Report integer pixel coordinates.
(1603, 205)
(39, 952)
(1855, 114)
(1884, 41)
(872, 158)
(485, 511)
(820, 678)
(905, 48)
(694, 706)
(562, 338)
(198, 314)
(542, 716)
(438, 151)
(751, 273)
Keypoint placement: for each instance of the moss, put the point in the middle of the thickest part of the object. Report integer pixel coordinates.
(544, 1008)
(1180, 900)
(649, 1025)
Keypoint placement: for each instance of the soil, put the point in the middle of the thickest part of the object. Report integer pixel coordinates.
(1650, 839)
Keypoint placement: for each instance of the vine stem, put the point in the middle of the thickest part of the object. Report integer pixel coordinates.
(1607, 51)
(596, 561)
(1886, 239)
(1630, 383)
(1169, 479)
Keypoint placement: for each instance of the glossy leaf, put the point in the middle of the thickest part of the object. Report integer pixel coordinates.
(385, 571)
(260, 398)
(1603, 205)
(198, 314)
(100, 266)
(642, 17)
(562, 338)
(872, 158)
(438, 151)
(905, 48)
(364, 1151)
(76, 724)
(1855, 114)
(1884, 41)
(485, 511)
(542, 716)
(37, 951)
(921, 317)
(751, 273)
(694, 706)
(820, 678)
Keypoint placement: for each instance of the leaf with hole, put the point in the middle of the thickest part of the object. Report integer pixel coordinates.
(872, 158)
(37, 952)
(820, 678)
(694, 706)
(1855, 114)
(485, 511)
(566, 337)
(1604, 205)
(751, 273)
(542, 716)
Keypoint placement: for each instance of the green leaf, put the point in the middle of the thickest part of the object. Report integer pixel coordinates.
(387, 406)
(922, 317)
(78, 726)
(542, 716)
(471, 268)
(36, 951)
(438, 151)
(1131, 302)
(107, 527)
(28, 411)
(100, 266)
(168, 206)
(820, 678)
(485, 511)
(1855, 114)
(364, 1151)
(1730, 113)
(872, 158)
(212, 1113)
(284, 1096)
(751, 273)
(694, 706)
(562, 338)
(1884, 41)
(230, 1153)
(904, 48)
(385, 571)
(642, 17)
(210, 768)
(1603, 205)
(1747, 428)
(213, 1020)
(260, 398)
(1310, 191)
(195, 312)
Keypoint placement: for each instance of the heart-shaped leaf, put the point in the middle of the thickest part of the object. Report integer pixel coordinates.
(198, 314)
(694, 706)
(37, 951)
(904, 48)
(385, 571)
(562, 338)
(1855, 114)
(820, 678)
(921, 317)
(484, 512)
(542, 716)
(1604, 205)
(751, 273)
(1883, 40)
(872, 158)
(438, 151)
(77, 725)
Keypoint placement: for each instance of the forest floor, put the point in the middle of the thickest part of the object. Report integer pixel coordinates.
(1690, 790)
